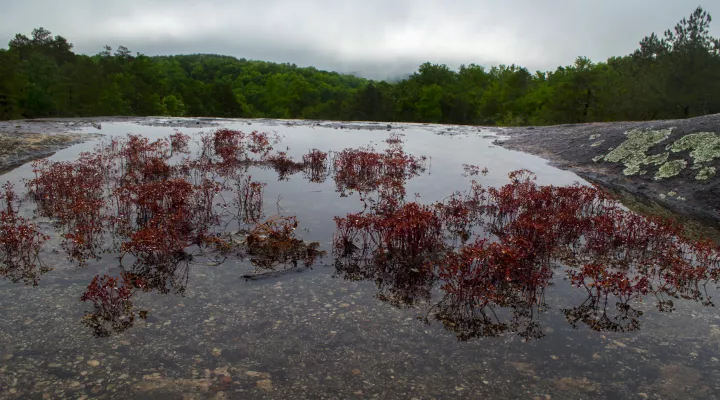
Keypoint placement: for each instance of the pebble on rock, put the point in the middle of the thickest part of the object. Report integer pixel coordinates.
(265, 384)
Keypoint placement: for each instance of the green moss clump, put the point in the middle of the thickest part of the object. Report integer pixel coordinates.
(704, 146)
(594, 136)
(598, 143)
(670, 169)
(633, 152)
(705, 173)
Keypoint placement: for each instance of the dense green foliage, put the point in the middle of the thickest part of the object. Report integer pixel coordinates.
(673, 76)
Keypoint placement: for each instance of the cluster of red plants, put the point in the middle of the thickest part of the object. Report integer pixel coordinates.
(165, 212)
(274, 243)
(156, 208)
(393, 249)
(395, 138)
(162, 207)
(161, 219)
(390, 244)
(462, 212)
(136, 160)
(284, 165)
(234, 147)
(316, 166)
(611, 252)
(111, 296)
(366, 170)
(485, 280)
(249, 200)
(179, 142)
(151, 206)
(409, 232)
(113, 310)
(73, 193)
(20, 242)
(609, 249)
(228, 152)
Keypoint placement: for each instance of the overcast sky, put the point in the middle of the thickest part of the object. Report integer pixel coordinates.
(373, 38)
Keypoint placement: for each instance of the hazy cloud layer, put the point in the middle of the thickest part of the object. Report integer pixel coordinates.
(375, 38)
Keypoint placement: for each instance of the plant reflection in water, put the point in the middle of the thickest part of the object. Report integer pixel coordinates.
(489, 255)
(478, 262)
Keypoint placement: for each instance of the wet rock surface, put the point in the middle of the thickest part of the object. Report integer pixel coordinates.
(313, 334)
(23, 141)
(671, 163)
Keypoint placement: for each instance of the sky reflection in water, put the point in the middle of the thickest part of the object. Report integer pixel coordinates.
(431, 225)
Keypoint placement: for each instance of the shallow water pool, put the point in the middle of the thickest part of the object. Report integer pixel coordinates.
(322, 332)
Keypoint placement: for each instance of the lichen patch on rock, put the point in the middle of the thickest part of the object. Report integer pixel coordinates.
(633, 152)
(704, 147)
(670, 169)
(705, 173)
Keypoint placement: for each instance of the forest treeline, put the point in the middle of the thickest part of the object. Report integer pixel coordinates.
(673, 75)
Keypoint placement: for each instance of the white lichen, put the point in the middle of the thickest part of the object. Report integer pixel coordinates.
(703, 146)
(657, 159)
(598, 143)
(705, 173)
(632, 170)
(670, 169)
(633, 152)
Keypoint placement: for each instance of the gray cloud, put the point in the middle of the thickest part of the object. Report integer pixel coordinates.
(375, 38)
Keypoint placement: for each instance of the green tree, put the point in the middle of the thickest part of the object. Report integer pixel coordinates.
(11, 83)
(173, 106)
(672, 75)
(428, 106)
(689, 60)
(111, 101)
